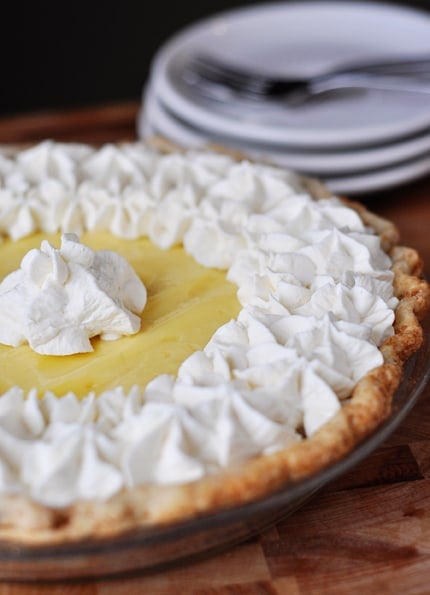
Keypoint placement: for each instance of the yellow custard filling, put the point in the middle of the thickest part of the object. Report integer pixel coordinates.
(186, 304)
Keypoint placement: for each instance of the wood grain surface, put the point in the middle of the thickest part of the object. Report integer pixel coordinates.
(368, 532)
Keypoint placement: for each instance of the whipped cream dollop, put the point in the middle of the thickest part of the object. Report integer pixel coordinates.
(60, 298)
(317, 301)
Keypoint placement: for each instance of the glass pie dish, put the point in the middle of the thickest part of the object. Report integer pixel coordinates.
(159, 547)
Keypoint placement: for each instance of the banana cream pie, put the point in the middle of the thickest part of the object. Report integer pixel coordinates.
(182, 332)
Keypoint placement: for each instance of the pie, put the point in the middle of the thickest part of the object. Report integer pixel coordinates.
(277, 325)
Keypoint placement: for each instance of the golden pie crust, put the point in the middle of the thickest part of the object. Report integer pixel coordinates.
(30, 523)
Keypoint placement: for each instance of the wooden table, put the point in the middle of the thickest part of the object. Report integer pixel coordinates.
(369, 531)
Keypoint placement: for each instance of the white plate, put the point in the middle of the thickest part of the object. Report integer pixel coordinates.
(314, 162)
(379, 180)
(352, 185)
(293, 39)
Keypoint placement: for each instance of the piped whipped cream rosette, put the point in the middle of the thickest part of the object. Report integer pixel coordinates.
(317, 300)
(60, 298)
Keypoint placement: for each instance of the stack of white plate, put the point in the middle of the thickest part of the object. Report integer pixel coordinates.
(358, 142)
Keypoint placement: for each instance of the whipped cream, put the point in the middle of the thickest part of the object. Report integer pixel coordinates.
(317, 301)
(59, 299)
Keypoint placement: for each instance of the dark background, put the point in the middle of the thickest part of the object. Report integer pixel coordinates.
(70, 54)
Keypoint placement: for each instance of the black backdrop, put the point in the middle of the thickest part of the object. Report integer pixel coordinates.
(65, 54)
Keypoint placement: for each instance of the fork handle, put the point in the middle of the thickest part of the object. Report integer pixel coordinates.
(362, 80)
(413, 64)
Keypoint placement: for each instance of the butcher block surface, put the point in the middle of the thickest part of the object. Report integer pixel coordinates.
(367, 532)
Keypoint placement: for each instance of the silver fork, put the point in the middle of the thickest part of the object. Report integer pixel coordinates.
(215, 78)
